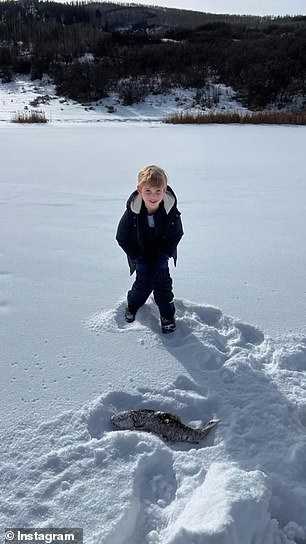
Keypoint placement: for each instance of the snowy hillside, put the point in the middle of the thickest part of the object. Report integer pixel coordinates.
(25, 95)
(69, 361)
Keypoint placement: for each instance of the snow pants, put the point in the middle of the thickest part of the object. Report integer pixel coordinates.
(156, 279)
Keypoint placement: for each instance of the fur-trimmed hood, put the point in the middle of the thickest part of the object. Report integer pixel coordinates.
(134, 202)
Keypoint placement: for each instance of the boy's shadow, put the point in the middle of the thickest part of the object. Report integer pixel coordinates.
(204, 338)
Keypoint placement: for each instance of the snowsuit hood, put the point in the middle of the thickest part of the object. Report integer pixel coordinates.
(135, 201)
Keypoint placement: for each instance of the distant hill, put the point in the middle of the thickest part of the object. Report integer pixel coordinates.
(111, 16)
(92, 49)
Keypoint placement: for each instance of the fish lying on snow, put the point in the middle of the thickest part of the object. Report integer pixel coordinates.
(167, 426)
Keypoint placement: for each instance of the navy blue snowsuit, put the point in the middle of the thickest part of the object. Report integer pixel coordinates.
(148, 250)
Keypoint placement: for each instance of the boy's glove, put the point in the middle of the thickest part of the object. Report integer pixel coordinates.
(140, 264)
(162, 261)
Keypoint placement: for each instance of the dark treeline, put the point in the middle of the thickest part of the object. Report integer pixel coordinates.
(91, 49)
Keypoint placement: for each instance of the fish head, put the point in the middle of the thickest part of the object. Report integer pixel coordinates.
(211, 424)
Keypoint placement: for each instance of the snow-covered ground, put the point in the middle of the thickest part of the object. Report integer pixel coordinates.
(69, 361)
(23, 95)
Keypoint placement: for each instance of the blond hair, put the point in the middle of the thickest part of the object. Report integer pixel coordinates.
(153, 176)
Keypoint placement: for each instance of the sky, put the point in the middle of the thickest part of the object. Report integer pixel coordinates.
(253, 7)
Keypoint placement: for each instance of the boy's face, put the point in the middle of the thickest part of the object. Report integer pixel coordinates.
(152, 196)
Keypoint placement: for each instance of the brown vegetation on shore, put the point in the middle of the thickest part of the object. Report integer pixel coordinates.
(30, 117)
(256, 118)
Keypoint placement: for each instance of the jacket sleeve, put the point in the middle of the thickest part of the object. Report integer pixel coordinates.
(125, 239)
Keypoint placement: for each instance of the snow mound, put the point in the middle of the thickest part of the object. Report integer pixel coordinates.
(291, 356)
(231, 505)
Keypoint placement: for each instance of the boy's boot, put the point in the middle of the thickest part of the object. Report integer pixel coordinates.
(167, 325)
(130, 312)
(129, 316)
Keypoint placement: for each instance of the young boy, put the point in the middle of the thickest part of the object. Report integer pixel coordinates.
(149, 232)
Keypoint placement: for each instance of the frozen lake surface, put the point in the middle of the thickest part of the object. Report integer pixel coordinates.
(69, 361)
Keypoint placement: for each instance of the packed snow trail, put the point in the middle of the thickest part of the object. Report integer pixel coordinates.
(244, 483)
